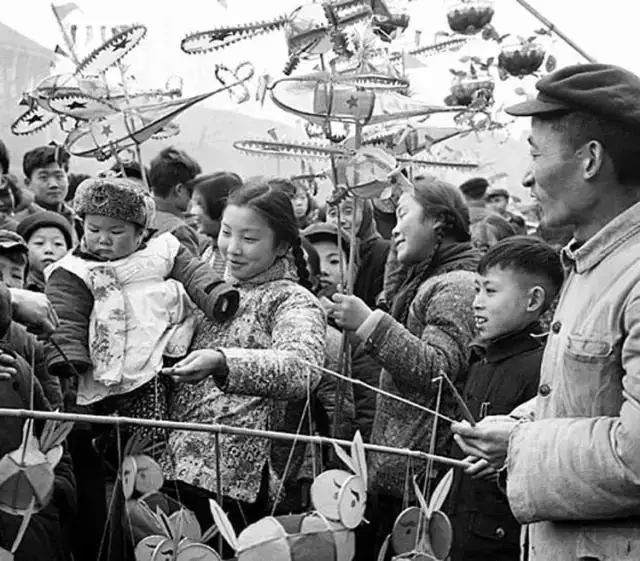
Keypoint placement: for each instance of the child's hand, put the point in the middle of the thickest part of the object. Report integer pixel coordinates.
(349, 312)
(197, 366)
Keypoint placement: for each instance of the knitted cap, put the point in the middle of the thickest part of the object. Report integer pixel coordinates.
(115, 197)
(45, 219)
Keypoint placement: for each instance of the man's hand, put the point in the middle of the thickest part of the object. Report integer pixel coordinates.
(480, 469)
(34, 311)
(488, 440)
(7, 366)
(349, 312)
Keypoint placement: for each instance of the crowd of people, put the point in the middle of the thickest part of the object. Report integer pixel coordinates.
(169, 293)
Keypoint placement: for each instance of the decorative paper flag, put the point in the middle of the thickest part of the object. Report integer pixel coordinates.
(63, 10)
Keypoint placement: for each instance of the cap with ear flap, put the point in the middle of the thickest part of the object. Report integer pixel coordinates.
(604, 90)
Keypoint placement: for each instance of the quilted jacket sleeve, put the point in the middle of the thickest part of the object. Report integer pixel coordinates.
(73, 302)
(443, 309)
(585, 468)
(198, 279)
(297, 334)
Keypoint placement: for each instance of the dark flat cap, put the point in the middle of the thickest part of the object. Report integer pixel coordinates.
(600, 89)
(321, 231)
(12, 240)
(497, 192)
(475, 187)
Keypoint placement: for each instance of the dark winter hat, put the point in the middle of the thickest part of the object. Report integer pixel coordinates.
(12, 240)
(324, 231)
(44, 219)
(600, 89)
(115, 197)
(475, 187)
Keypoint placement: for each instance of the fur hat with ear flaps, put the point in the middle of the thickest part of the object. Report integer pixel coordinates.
(115, 197)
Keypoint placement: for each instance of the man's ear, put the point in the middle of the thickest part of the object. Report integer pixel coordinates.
(27, 181)
(593, 156)
(537, 299)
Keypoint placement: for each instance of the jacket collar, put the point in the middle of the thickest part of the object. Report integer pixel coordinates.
(586, 256)
(509, 345)
(164, 206)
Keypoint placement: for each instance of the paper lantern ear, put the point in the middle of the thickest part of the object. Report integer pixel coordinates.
(54, 434)
(223, 524)
(185, 525)
(440, 493)
(54, 455)
(346, 459)
(359, 458)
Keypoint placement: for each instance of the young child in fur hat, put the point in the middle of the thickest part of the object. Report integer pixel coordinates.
(125, 302)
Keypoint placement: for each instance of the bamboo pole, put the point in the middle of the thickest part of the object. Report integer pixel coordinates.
(221, 429)
(536, 14)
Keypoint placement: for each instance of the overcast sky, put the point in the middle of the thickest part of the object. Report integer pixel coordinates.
(607, 30)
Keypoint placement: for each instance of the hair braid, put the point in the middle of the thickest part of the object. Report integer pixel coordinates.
(301, 264)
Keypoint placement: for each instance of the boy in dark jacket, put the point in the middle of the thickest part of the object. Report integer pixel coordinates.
(13, 272)
(517, 280)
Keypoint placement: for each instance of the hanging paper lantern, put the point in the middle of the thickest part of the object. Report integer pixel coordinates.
(521, 58)
(466, 89)
(469, 16)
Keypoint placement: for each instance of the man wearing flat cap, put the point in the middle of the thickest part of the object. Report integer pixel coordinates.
(571, 456)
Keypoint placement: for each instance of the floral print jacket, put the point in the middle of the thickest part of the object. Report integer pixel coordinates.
(279, 324)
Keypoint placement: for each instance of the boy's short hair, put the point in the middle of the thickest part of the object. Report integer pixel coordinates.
(42, 156)
(529, 256)
(170, 168)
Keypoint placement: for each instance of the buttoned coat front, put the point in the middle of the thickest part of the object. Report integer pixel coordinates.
(574, 472)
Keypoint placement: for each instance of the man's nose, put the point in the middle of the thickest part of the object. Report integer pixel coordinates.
(528, 181)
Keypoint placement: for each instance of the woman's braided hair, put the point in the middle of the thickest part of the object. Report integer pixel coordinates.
(274, 205)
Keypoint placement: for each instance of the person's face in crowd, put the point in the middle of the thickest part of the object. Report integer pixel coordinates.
(12, 271)
(498, 203)
(415, 234)
(111, 238)
(247, 242)
(332, 262)
(46, 246)
(300, 202)
(350, 214)
(483, 236)
(506, 302)
(206, 225)
(556, 178)
(49, 184)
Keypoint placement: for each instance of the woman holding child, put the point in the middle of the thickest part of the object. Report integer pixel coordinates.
(427, 333)
(240, 372)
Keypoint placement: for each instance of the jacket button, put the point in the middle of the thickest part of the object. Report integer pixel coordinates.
(499, 533)
(544, 390)
(556, 326)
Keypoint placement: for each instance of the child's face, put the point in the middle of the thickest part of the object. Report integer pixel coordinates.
(111, 238)
(300, 202)
(46, 246)
(49, 184)
(502, 301)
(331, 262)
(11, 272)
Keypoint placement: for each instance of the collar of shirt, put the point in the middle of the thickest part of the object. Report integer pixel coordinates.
(585, 256)
(509, 345)
(164, 206)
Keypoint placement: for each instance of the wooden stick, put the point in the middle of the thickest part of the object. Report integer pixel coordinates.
(222, 429)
